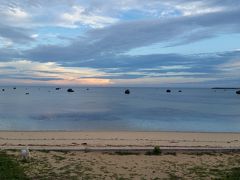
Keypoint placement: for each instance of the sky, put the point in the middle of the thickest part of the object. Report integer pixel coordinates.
(156, 43)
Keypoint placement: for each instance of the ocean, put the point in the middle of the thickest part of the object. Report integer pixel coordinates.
(110, 109)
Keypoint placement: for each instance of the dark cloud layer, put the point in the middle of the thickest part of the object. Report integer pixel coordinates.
(107, 42)
(17, 35)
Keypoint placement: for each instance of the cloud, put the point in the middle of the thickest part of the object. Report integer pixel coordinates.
(28, 71)
(95, 14)
(61, 13)
(232, 65)
(80, 16)
(7, 53)
(75, 13)
(169, 67)
(16, 35)
(5, 43)
(189, 8)
(15, 12)
(150, 70)
(71, 41)
(123, 37)
(22, 77)
(161, 81)
(230, 69)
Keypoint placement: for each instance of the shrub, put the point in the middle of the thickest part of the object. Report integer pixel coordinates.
(233, 174)
(155, 151)
(10, 168)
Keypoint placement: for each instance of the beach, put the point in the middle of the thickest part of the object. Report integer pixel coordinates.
(124, 155)
(99, 140)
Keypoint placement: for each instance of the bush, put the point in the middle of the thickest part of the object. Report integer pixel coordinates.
(233, 174)
(10, 168)
(155, 151)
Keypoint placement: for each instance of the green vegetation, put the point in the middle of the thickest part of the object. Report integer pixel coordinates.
(200, 171)
(10, 168)
(204, 153)
(234, 174)
(155, 151)
(53, 166)
(122, 153)
(219, 174)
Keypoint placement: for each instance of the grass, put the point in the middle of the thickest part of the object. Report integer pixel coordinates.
(234, 174)
(40, 167)
(173, 177)
(200, 171)
(59, 158)
(10, 168)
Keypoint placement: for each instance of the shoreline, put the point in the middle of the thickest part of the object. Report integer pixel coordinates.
(125, 131)
(119, 140)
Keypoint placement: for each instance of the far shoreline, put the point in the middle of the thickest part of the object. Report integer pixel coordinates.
(127, 131)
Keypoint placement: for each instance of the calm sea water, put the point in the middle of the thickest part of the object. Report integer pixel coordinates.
(145, 109)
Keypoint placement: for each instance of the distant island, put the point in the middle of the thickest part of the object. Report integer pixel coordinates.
(226, 88)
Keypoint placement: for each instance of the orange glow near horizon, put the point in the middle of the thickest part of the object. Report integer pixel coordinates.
(76, 82)
(83, 81)
(29, 72)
